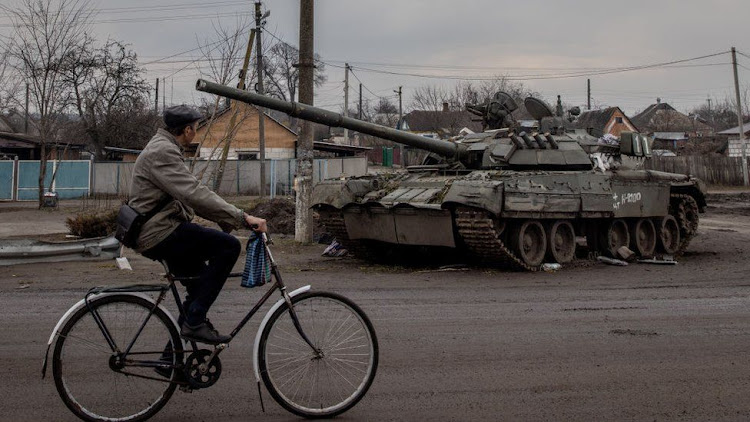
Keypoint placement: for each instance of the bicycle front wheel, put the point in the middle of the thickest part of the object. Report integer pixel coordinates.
(320, 384)
(99, 384)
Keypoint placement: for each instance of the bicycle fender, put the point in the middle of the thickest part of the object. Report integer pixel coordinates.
(263, 324)
(80, 304)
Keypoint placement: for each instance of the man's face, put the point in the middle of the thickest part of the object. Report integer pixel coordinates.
(189, 134)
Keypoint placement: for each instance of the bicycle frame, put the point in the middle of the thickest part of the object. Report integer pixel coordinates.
(121, 356)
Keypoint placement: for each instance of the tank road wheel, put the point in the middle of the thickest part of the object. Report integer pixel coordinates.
(643, 237)
(615, 236)
(530, 242)
(561, 242)
(668, 235)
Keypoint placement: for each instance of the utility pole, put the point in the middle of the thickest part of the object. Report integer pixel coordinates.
(164, 95)
(740, 127)
(346, 101)
(303, 224)
(219, 176)
(26, 117)
(156, 97)
(360, 101)
(588, 94)
(710, 116)
(261, 111)
(400, 116)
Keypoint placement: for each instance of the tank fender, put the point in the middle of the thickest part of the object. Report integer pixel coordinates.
(485, 194)
(694, 188)
(263, 324)
(80, 304)
(338, 193)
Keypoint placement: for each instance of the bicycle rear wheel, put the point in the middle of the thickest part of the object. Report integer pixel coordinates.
(304, 382)
(90, 379)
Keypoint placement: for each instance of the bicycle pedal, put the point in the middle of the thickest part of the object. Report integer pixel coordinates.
(186, 389)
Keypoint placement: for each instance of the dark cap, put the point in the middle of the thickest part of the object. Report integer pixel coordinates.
(180, 115)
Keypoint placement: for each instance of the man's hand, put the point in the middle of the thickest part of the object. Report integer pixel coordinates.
(258, 223)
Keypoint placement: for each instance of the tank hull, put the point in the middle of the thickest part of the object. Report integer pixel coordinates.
(477, 212)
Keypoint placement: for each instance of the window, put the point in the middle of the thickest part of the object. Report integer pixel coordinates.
(618, 120)
(247, 156)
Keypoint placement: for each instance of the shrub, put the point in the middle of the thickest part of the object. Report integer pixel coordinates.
(92, 224)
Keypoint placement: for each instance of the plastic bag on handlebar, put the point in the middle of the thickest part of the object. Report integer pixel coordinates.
(257, 271)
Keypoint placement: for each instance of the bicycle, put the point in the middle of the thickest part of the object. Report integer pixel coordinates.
(119, 355)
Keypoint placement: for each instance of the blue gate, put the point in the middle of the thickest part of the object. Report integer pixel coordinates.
(7, 177)
(71, 181)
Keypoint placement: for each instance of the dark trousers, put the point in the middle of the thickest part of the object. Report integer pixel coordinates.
(196, 251)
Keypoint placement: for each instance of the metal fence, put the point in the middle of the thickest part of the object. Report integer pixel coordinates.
(19, 179)
(712, 169)
(240, 177)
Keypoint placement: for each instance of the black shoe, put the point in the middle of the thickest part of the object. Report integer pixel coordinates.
(203, 333)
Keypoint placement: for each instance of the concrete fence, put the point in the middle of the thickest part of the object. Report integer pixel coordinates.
(712, 169)
(240, 177)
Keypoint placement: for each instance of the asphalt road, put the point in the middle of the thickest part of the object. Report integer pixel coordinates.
(588, 343)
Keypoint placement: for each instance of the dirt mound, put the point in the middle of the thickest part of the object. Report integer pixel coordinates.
(279, 214)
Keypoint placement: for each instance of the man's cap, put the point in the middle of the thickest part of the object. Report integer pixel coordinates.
(180, 115)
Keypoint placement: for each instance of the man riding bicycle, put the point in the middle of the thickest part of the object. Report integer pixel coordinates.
(162, 183)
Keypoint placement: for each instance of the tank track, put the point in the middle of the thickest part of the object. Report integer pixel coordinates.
(681, 205)
(477, 230)
(334, 224)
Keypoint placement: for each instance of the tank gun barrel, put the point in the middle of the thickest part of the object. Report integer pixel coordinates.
(329, 118)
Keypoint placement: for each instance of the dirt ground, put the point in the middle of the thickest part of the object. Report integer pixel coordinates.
(588, 343)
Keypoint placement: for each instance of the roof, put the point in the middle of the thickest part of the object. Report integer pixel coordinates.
(670, 136)
(662, 117)
(734, 131)
(596, 120)
(448, 121)
(338, 148)
(34, 140)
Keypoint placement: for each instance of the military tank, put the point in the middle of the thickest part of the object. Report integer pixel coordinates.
(509, 196)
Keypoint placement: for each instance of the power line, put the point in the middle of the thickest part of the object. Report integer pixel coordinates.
(558, 76)
(156, 18)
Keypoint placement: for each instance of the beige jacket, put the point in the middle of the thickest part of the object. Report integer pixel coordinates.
(159, 171)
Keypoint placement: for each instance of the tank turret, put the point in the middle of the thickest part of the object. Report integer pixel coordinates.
(503, 146)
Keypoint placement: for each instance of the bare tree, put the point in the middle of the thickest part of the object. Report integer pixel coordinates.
(44, 33)
(223, 56)
(9, 87)
(281, 74)
(106, 82)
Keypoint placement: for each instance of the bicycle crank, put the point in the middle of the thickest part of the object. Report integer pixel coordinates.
(201, 371)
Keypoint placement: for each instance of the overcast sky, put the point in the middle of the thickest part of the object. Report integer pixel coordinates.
(468, 39)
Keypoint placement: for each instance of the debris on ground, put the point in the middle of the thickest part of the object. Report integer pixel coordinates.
(611, 261)
(123, 263)
(551, 267)
(665, 261)
(626, 254)
(446, 268)
(335, 249)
